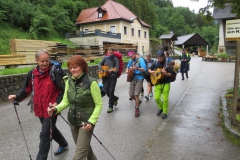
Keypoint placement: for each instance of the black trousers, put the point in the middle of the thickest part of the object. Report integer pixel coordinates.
(44, 145)
(109, 84)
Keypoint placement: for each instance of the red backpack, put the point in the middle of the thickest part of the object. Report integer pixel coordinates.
(119, 56)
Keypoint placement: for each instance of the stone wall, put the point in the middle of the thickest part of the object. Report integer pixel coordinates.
(11, 84)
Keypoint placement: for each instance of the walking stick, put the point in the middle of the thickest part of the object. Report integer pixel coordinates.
(14, 104)
(51, 135)
(51, 132)
(92, 134)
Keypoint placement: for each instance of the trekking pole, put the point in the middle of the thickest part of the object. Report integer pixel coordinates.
(92, 134)
(51, 135)
(51, 132)
(14, 104)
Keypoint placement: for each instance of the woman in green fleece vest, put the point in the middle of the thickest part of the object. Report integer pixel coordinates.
(83, 97)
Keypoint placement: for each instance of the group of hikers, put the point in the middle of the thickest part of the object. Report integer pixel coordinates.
(52, 91)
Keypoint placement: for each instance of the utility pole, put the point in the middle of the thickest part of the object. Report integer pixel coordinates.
(236, 84)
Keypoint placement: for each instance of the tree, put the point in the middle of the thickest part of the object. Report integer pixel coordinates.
(209, 34)
(235, 7)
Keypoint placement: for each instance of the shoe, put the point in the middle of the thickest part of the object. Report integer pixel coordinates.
(187, 77)
(60, 150)
(142, 94)
(151, 94)
(140, 102)
(147, 98)
(116, 101)
(164, 116)
(159, 112)
(137, 112)
(110, 110)
(182, 78)
(130, 98)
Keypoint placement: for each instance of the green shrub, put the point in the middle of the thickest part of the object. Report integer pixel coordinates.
(222, 55)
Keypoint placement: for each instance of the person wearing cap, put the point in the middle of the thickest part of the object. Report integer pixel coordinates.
(185, 60)
(162, 89)
(138, 55)
(138, 66)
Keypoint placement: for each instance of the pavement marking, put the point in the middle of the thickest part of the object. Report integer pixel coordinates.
(162, 126)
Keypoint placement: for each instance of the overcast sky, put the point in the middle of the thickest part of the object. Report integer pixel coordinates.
(191, 5)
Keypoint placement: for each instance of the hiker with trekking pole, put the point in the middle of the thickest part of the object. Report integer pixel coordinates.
(45, 85)
(83, 97)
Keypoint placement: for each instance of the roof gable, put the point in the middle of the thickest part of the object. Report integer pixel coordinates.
(224, 13)
(114, 11)
(190, 40)
(168, 36)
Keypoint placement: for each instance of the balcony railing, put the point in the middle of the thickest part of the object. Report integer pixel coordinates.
(96, 32)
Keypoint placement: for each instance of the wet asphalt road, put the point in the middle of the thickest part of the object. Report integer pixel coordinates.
(191, 131)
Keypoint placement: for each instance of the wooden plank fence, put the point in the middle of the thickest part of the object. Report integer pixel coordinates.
(12, 59)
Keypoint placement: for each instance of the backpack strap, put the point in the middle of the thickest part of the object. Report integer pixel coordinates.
(30, 102)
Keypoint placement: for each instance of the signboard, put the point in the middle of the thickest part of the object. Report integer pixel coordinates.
(233, 30)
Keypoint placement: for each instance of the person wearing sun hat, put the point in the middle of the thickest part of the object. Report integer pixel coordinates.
(162, 89)
(138, 66)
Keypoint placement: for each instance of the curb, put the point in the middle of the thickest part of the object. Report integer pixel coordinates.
(226, 118)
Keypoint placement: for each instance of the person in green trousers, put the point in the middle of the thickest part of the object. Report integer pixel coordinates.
(162, 87)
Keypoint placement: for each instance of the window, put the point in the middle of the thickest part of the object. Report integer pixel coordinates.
(132, 31)
(142, 48)
(113, 29)
(145, 34)
(139, 33)
(86, 31)
(99, 15)
(125, 30)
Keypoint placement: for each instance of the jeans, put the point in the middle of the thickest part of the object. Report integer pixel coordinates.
(44, 145)
(109, 84)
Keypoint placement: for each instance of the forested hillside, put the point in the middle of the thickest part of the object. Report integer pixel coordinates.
(51, 19)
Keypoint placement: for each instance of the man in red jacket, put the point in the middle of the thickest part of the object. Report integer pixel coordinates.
(44, 91)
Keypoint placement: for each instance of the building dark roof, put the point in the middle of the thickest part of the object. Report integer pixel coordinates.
(191, 40)
(114, 11)
(168, 36)
(224, 13)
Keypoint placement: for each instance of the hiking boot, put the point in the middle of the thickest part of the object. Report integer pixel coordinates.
(164, 116)
(137, 112)
(147, 98)
(60, 150)
(151, 94)
(116, 101)
(159, 112)
(110, 110)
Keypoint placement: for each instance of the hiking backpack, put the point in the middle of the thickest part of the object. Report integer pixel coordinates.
(121, 64)
(145, 73)
(173, 77)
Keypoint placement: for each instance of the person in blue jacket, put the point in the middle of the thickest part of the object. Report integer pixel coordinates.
(138, 66)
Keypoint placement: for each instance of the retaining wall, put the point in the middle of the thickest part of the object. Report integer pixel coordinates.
(11, 84)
